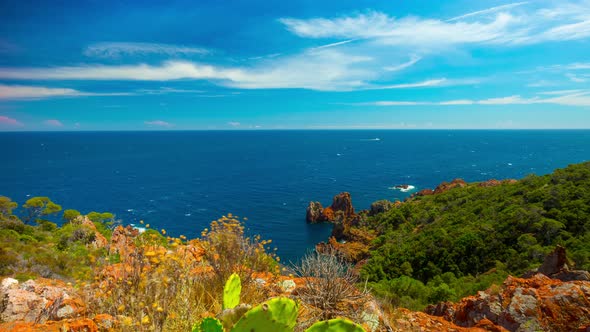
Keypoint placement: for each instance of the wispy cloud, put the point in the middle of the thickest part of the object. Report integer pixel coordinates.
(40, 92)
(118, 49)
(9, 122)
(413, 60)
(53, 123)
(487, 11)
(497, 25)
(158, 123)
(234, 124)
(564, 97)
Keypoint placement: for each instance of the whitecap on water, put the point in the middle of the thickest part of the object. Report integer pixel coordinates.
(404, 189)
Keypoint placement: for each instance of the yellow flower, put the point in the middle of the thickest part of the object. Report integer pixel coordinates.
(147, 226)
(163, 231)
(141, 222)
(121, 308)
(145, 320)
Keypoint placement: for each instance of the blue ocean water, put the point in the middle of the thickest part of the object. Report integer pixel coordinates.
(181, 181)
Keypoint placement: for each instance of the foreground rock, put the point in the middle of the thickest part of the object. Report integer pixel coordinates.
(535, 304)
(38, 301)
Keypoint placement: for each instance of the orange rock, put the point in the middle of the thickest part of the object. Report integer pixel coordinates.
(70, 325)
(537, 303)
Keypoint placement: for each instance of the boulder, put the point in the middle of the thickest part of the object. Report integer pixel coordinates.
(537, 303)
(38, 301)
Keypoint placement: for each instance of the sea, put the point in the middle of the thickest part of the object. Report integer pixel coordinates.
(182, 180)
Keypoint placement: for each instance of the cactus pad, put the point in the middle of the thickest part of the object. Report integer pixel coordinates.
(231, 291)
(277, 315)
(208, 324)
(335, 325)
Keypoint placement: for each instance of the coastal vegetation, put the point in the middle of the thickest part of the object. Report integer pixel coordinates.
(452, 244)
(437, 246)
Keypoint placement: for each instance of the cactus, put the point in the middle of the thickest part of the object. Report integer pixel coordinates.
(335, 325)
(208, 324)
(231, 291)
(278, 315)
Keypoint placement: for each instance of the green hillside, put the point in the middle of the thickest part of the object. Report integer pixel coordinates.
(445, 246)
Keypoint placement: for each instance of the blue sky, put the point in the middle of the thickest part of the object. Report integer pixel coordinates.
(178, 65)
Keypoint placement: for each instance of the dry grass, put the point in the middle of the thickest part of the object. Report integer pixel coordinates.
(329, 288)
(168, 284)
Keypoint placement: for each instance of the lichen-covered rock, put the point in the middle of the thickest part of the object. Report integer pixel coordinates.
(38, 301)
(538, 303)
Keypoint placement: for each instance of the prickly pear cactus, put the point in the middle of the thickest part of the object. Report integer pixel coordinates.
(229, 317)
(277, 315)
(231, 291)
(208, 324)
(335, 325)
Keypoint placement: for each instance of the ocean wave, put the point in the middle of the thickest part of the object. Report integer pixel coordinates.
(403, 188)
(140, 229)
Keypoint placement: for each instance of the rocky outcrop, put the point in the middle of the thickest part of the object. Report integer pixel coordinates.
(341, 209)
(446, 186)
(535, 304)
(556, 266)
(99, 240)
(495, 183)
(38, 301)
(122, 241)
(314, 212)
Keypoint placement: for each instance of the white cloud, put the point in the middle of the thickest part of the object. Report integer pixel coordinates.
(579, 98)
(488, 11)
(53, 123)
(509, 24)
(117, 49)
(40, 92)
(413, 60)
(576, 78)
(158, 123)
(234, 123)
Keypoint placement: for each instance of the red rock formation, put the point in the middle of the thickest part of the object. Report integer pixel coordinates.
(314, 212)
(494, 182)
(341, 209)
(445, 186)
(343, 203)
(538, 303)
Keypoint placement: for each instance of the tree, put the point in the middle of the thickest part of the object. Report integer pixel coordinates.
(40, 206)
(6, 207)
(70, 215)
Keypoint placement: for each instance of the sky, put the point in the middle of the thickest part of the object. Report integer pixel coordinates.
(298, 64)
